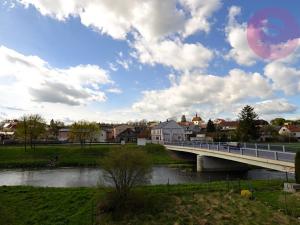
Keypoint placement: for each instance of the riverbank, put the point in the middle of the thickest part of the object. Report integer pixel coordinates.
(74, 155)
(210, 203)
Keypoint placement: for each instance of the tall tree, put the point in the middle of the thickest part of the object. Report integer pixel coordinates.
(183, 119)
(55, 126)
(210, 126)
(83, 131)
(278, 121)
(79, 132)
(93, 131)
(247, 129)
(31, 128)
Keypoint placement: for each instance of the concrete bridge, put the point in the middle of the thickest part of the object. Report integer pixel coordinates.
(222, 157)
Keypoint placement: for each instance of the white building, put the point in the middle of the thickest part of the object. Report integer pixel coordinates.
(168, 131)
(291, 131)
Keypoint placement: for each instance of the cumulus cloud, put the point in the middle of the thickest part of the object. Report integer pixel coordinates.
(30, 77)
(237, 38)
(274, 107)
(285, 78)
(214, 93)
(200, 12)
(285, 73)
(175, 54)
(151, 18)
(159, 27)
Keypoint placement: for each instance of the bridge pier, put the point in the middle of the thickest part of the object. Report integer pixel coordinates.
(211, 164)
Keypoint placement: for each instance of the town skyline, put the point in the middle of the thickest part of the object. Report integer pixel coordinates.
(62, 61)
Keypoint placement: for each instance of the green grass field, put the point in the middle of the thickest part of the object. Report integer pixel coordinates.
(74, 155)
(200, 204)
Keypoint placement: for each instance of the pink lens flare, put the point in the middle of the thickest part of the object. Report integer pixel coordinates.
(273, 41)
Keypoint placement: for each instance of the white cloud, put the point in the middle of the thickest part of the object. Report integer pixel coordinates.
(115, 91)
(151, 18)
(284, 77)
(175, 54)
(28, 79)
(200, 12)
(274, 107)
(215, 94)
(158, 27)
(237, 38)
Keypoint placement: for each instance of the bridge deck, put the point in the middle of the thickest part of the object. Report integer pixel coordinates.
(284, 160)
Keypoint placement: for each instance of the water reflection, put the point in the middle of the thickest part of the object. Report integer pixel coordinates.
(89, 177)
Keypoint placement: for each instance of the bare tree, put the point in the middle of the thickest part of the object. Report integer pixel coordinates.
(125, 169)
(84, 131)
(31, 128)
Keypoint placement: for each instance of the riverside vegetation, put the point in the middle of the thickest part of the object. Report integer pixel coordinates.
(75, 155)
(208, 203)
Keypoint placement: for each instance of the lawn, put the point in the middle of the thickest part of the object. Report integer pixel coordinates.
(168, 205)
(74, 155)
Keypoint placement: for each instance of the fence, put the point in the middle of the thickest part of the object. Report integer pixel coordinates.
(247, 149)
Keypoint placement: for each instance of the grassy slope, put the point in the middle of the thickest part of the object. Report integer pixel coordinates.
(180, 204)
(68, 155)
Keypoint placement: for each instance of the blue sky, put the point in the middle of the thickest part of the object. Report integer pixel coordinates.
(152, 62)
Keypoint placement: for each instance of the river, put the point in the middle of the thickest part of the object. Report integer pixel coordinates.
(91, 177)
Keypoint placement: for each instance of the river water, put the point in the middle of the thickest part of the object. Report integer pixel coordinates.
(91, 177)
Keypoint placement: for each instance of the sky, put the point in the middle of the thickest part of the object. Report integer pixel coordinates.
(127, 60)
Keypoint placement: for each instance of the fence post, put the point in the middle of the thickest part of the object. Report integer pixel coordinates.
(242, 153)
(228, 148)
(283, 148)
(269, 147)
(208, 146)
(276, 155)
(218, 147)
(255, 146)
(256, 152)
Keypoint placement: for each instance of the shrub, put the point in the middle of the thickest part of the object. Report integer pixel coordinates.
(297, 168)
(126, 168)
(246, 194)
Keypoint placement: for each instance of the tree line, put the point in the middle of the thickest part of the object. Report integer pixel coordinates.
(33, 128)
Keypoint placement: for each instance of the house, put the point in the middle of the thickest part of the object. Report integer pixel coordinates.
(63, 134)
(128, 135)
(292, 131)
(107, 133)
(228, 125)
(10, 125)
(218, 121)
(168, 131)
(197, 120)
(119, 129)
(190, 130)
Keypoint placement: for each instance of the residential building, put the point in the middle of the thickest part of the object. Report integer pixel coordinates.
(168, 131)
(228, 125)
(119, 129)
(63, 134)
(128, 135)
(292, 131)
(190, 130)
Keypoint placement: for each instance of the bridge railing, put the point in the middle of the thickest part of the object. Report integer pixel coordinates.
(239, 149)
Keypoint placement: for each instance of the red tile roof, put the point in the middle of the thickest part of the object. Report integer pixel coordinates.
(293, 128)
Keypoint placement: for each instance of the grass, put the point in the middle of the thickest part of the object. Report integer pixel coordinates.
(168, 205)
(74, 155)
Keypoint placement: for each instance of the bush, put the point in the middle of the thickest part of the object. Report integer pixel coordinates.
(297, 168)
(246, 194)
